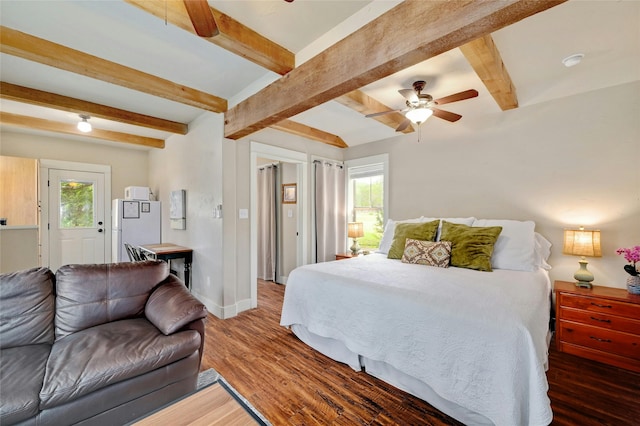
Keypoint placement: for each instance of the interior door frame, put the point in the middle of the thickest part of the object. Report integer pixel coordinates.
(259, 150)
(43, 201)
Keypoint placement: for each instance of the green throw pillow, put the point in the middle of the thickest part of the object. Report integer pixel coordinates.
(425, 231)
(472, 246)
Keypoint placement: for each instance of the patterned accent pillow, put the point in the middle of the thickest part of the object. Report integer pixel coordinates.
(427, 253)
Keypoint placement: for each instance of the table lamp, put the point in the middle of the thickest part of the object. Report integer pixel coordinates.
(355, 230)
(580, 242)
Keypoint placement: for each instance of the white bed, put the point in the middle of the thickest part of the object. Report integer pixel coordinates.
(473, 344)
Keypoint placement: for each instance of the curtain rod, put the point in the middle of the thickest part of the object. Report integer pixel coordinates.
(328, 163)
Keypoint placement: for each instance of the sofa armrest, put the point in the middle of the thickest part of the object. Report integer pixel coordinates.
(170, 306)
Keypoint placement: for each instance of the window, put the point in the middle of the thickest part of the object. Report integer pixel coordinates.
(76, 204)
(367, 185)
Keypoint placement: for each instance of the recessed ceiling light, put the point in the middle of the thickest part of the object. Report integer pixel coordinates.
(572, 60)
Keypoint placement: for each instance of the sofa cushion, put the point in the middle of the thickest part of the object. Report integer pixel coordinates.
(91, 359)
(26, 308)
(89, 295)
(21, 374)
(170, 307)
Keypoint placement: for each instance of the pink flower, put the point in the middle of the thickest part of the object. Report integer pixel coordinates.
(631, 255)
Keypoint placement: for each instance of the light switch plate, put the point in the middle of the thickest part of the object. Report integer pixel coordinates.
(243, 213)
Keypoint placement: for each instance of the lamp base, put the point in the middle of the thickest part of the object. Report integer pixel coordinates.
(355, 248)
(583, 276)
(583, 284)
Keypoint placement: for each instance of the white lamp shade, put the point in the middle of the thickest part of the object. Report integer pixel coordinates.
(355, 229)
(579, 242)
(419, 115)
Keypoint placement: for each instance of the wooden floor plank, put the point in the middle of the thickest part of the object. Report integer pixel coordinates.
(212, 406)
(291, 384)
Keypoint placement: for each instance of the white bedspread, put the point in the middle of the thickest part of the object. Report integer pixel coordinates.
(477, 338)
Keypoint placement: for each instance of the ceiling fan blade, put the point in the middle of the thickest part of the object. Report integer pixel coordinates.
(375, 114)
(410, 95)
(403, 125)
(201, 17)
(446, 115)
(467, 94)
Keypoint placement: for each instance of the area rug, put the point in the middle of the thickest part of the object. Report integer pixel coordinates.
(211, 376)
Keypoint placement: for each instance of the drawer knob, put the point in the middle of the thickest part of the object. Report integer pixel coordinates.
(600, 340)
(600, 319)
(601, 306)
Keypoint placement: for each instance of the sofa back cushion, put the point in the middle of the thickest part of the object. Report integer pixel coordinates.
(89, 295)
(26, 308)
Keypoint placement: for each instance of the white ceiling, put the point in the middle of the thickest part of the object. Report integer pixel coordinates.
(607, 32)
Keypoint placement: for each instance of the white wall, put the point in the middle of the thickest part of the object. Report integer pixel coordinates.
(571, 162)
(289, 229)
(194, 162)
(128, 166)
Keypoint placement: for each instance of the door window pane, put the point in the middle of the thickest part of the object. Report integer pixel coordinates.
(76, 204)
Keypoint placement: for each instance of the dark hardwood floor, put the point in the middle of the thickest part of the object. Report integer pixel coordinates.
(291, 384)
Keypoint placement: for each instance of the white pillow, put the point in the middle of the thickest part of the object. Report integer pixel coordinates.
(542, 252)
(458, 220)
(389, 229)
(515, 246)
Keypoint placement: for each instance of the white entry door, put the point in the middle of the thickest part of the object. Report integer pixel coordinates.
(76, 225)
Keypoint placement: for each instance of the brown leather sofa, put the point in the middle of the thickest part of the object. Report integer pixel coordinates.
(96, 344)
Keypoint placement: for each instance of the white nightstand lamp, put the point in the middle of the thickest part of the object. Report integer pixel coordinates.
(580, 242)
(355, 230)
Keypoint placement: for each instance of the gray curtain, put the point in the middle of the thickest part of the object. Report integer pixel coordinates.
(330, 210)
(267, 220)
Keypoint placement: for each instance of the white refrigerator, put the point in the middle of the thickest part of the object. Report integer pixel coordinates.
(135, 222)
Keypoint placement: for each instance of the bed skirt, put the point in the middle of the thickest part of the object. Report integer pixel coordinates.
(337, 351)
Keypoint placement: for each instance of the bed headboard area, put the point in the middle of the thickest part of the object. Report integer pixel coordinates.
(480, 244)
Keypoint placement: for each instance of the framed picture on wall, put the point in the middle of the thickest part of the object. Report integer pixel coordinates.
(289, 193)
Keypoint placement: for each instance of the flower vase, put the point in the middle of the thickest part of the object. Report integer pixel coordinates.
(633, 284)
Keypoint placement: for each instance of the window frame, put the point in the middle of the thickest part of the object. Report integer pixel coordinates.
(372, 160)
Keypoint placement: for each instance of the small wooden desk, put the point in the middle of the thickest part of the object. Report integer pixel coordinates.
(168, 251)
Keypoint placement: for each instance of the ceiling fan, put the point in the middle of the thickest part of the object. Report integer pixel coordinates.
(421, 106)
(202, 18)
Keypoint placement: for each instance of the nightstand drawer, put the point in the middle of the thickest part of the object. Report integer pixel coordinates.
(597, 319)
(594, 304)
(614, 342)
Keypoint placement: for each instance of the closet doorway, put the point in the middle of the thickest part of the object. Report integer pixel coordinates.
(290, 219)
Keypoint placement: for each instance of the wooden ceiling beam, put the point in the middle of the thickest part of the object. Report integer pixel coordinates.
(35, 49)
(57, 127)
(484, 57)
(308, 132)
(233, 36)
(383, 47)
(365, 104)
(64, 103)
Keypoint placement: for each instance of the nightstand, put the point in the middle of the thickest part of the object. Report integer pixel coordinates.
(348, 255)
(600, 323)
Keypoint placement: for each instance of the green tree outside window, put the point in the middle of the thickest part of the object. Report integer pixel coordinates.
(76, 204)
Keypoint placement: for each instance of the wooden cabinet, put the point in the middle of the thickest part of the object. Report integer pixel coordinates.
(601, 323)
(19, 190)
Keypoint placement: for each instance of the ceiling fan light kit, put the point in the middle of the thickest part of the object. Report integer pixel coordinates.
(419, 115)
(83, 125)
(421, 106)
